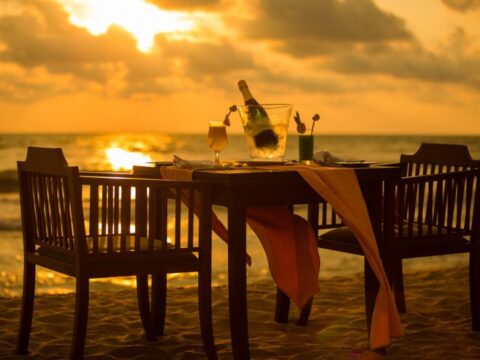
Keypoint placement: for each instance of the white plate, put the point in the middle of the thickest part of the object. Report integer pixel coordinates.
(352, 163)
(263, 162)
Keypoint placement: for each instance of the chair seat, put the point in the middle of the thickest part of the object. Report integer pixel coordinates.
(108, 244)
(130, 260)
(342, 239)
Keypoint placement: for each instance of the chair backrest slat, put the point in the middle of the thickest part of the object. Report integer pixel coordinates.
(153, 216)
(429, 212)
(110, 211)
(191, 219)
(141, 211)
(420, 202)
(104, 211)
(163, 223)
(39, 216)
(45, 205)
(62, 214)
(94, 218)
(439, 205)
(178, 214)
(470, 184)
(116, 210)
(126, 203)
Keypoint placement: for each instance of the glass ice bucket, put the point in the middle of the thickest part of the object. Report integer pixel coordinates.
(266, 129)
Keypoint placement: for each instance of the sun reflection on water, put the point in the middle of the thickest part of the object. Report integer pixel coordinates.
(121, 159)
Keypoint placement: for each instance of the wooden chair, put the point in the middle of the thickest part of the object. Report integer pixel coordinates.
(88, 226)
(437, 211)
(438, 214)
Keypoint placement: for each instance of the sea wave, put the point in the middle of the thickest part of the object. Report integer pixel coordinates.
(10, 225)
(8, 181)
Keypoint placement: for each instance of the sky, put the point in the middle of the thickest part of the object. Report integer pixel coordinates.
(366, 66)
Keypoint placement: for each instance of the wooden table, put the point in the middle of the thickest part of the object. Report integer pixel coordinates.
(239, 189)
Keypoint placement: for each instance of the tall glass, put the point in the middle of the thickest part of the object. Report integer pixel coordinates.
(305, 146)
(217, 137)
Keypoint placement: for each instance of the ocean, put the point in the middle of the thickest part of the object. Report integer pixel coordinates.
(120, 151)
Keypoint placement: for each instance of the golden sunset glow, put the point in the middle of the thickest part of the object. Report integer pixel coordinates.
(124, 160)
(141, 19)
(169, 67)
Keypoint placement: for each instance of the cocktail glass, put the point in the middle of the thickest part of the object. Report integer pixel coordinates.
(217, 137)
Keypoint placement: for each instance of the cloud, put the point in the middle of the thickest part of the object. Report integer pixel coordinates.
(462, 5)
(209, 59)
(21, 85)
(311, 27)
(186, 4)
(42, 37)
(319, 45)
(356, 37)
(453, 64)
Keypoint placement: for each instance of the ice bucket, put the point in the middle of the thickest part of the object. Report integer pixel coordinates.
(266, 129)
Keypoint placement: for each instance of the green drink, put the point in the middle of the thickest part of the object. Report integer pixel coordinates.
(305, 147)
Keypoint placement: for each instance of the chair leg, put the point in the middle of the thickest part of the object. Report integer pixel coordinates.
(398, 288)
(81, 317)
(305, 313)
(475, 288)
(144, 307)
(27, 309)
(282, 307)
(159, 302)
(205, 313)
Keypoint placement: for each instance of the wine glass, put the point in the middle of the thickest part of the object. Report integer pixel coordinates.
(217, 137)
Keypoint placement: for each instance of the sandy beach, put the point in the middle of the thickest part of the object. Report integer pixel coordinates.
(437, 324)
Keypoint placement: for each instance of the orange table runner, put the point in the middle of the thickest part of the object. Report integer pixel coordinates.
(288, 240)
(291, 247)
(340, 188)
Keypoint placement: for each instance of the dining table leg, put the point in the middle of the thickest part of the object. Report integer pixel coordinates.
(237, 281)
(374, 199)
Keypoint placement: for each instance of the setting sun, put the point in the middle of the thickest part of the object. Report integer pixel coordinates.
(142, 20)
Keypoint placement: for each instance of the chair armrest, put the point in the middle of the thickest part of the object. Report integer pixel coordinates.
(441, 176)
(106, 173)
(131, 180)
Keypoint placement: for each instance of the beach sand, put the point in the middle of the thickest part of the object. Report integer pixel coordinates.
(437, 324)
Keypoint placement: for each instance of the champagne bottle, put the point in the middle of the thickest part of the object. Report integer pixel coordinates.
(258, 120)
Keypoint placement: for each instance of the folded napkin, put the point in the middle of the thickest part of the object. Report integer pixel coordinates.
(194, 164)
(326, 157)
